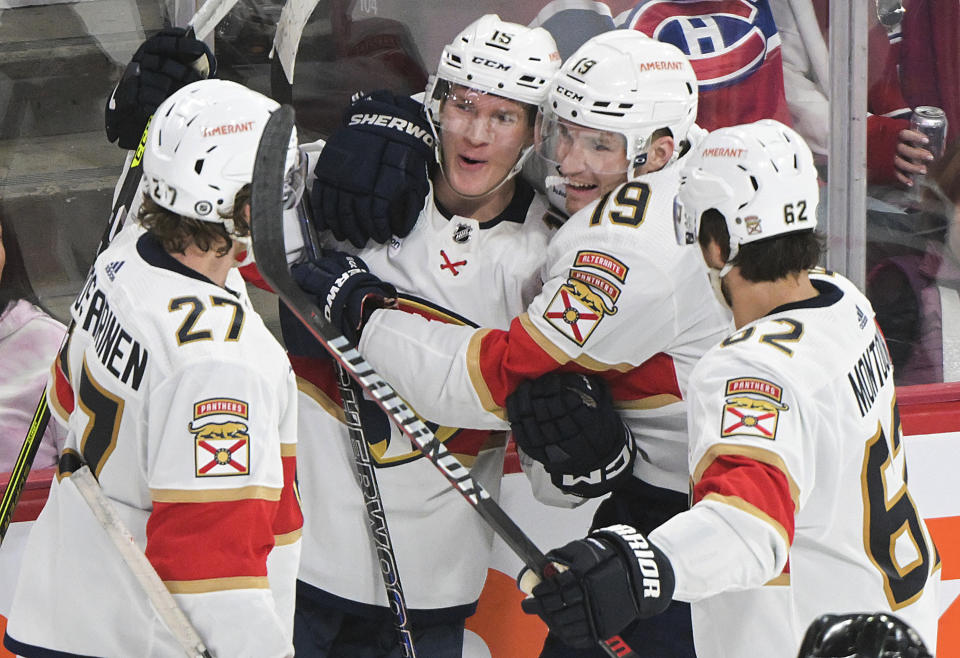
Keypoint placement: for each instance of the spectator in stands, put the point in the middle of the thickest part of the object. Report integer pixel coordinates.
(895, 154)
(29, 340)
(917, 296)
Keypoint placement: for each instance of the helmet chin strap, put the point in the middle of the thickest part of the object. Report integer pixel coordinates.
(734, 250)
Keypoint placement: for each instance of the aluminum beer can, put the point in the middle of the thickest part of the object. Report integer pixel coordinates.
(932, 122)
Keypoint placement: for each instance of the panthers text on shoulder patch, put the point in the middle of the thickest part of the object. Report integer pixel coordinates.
(221, 441)
(751, 407)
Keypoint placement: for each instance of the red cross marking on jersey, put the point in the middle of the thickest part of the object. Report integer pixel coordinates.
(754, 421)
(571, 316)
(451, 266)
(214, 451)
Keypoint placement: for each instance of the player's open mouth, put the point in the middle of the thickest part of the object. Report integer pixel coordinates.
(470, 162)
(580, 187)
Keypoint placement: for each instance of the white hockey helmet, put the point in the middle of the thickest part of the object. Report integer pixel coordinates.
(201, 148)
(760, 176)
(496, 57)
(624, 82)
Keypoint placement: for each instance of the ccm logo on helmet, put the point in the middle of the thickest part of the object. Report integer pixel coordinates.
(569, 93)
(491, 63)
(645, 558)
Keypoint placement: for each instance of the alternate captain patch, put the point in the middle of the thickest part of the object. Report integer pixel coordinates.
(603, 262)
(221, 438)
(577, 308)
(752, 408)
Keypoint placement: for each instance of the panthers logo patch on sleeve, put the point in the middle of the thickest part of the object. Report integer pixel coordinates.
(583, 301)
(752, 408)
(222, 444)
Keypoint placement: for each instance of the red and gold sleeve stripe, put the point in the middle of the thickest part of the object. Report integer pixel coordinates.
(61, 401)
(212, 546)
(751, 479)
(497, 361)
(289, 520)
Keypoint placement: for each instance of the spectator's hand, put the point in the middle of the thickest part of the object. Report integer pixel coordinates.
(912, 157)
(165, 62)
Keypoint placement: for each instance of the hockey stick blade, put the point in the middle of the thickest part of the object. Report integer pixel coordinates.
(266, 211)
(202, 23)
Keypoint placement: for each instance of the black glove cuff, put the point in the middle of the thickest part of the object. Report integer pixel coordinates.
(651, 573)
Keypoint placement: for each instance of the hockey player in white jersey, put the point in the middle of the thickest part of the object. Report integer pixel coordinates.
(621, 300)
(183, 406)
(796, 457)
(472, 257)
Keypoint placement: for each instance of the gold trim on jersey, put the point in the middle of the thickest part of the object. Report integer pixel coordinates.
(253, 492)
(903, 570)
(97, 462)
(431, 311)
(561, 357)
(216, 584)
(69, 461)
(753, 510)
(287, 538)
(288, 449)
(476, 376)
(758, 454)
(314, 392)
(783, 580)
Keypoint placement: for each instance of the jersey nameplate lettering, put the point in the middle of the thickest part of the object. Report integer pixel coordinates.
(123, 356)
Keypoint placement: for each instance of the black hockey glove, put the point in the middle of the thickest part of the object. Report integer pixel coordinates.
(346, 291)
(566, 421)
(162, 64)
(879, 635)
(372, 174)
(605, 582)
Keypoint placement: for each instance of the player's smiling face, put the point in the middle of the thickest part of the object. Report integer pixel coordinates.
(481, 137)
(592, 162)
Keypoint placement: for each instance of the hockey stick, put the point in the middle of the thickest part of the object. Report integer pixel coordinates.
(266, 209)
(202, 23)
(293, 18)
(160, 597)
(376, 514)
(364, 470)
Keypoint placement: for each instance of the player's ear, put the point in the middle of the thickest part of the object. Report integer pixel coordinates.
(713, 254)
(660, 152)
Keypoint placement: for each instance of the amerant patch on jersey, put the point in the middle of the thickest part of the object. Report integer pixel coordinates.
(222, 443)
(752, 408)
